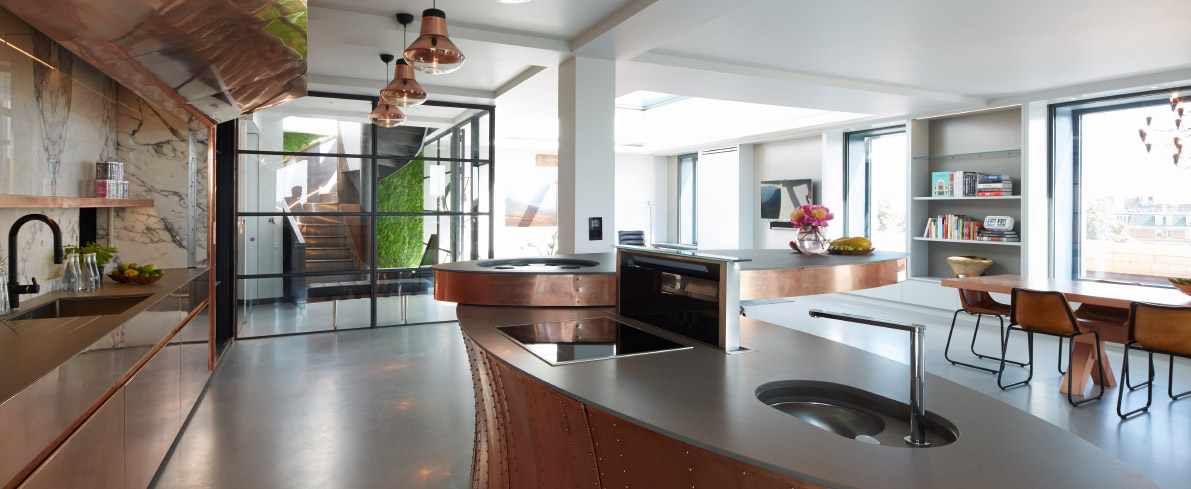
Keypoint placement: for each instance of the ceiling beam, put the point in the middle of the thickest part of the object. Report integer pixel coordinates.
(643, 25)
(519, 79)
(743, 70)
(348, 82)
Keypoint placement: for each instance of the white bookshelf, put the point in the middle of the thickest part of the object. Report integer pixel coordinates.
(985, 142)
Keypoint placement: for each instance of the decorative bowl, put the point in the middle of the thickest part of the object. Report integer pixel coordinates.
(969, 265)
(119, 277)
(1184, 287)
(852, 252)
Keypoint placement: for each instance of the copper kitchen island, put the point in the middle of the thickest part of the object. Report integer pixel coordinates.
(590, 279)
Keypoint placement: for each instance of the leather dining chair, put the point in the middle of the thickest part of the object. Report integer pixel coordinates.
(1049, 313)
(980, 304)
(1155, 328)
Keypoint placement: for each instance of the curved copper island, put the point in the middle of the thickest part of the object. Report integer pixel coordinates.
(548, 281)
(690, 418)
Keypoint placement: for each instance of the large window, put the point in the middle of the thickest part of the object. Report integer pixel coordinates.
(339, 220)
(1130, 206)
(687, 199)
(876, 187)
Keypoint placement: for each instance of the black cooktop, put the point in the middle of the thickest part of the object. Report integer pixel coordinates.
(582, 340)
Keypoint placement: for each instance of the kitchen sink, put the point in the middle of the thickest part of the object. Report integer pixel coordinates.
(67, 307)
(851, 413)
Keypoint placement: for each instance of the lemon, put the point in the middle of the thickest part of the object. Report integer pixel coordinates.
(122, 267)
(131, 272)
(132, 265)
(149, 268)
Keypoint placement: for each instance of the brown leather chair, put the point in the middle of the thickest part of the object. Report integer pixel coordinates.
(1049, 313)
(978, 303)
(1155, 328)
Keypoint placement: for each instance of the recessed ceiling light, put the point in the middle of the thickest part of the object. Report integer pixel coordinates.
(511, 1)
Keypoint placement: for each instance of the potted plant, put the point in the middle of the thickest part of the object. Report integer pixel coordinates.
(810, 220)
(103, 254)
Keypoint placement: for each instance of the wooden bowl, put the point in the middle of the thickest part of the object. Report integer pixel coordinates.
(851, 252)
(1186, 289)
(119, 277)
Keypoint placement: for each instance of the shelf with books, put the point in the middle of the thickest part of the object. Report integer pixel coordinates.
(966, 241)
(990, 197)
(978, 154)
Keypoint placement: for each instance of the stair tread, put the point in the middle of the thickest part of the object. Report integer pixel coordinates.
(327, 260)
(338, 248)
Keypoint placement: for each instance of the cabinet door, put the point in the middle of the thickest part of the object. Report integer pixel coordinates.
(92, 458)
(152, 417)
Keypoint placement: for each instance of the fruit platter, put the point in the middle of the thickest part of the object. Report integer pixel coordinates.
(1183, 284)
(851, 246)
(130, 273)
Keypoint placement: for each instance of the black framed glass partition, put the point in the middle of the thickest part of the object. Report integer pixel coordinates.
(338, 220)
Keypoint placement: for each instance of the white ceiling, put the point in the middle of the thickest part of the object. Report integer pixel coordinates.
(556, 19)
(861, 56)
(983, 49)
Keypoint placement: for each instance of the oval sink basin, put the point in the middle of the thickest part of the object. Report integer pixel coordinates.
(851, 413)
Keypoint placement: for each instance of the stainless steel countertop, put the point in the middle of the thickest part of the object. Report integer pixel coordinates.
(769, 259)
(29, 351)
(704, 397)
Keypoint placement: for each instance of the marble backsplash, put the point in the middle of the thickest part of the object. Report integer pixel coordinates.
(55, 123)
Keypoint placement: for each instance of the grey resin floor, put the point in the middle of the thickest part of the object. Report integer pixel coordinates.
(392, 407)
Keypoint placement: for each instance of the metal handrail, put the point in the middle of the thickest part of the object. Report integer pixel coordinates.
(917, 436)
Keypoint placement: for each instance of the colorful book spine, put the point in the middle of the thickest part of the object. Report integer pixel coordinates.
(994, 178)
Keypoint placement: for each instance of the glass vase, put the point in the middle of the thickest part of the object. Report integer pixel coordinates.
(812, 240)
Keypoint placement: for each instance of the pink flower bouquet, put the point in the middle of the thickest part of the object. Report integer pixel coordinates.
(811, 215)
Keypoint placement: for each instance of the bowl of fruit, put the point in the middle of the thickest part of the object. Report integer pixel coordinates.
(851, 246)
(130, 273)
(1183, 284)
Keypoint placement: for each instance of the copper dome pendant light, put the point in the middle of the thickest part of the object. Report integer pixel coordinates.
(433, 52)
(385, 114)
(404, 90)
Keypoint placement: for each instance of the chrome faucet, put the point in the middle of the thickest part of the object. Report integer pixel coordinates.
(15, 289)
(917, 436)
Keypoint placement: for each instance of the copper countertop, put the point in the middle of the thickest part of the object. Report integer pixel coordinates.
(29, 351)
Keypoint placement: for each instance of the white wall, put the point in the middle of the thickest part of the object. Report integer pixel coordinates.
(723, 193)
(641, 195)
(792, 159)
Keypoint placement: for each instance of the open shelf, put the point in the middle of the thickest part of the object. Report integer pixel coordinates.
(969, 241)
(971, 155)
(1001, 197)
(38, 202)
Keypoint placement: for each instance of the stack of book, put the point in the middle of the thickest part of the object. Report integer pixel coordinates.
(1006, 236)
(951, 226)
(994, 186)
(969, 184)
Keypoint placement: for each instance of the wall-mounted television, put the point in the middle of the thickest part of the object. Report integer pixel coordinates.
(780, 197)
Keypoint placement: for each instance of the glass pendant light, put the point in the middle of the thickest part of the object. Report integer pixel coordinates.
(404, 90)
(433, 52)
(385, 114)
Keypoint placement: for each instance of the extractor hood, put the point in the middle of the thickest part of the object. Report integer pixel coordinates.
(217, 58)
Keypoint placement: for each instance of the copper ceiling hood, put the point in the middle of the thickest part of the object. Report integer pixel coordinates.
(216, 59)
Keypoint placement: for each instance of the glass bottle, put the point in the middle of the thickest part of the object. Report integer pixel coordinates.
(72, 275)
(90, 276)
(4, 306)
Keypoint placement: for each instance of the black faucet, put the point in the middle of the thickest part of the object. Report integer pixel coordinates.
(14, 288)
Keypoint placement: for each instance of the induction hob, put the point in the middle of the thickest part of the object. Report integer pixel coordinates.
(585, 340)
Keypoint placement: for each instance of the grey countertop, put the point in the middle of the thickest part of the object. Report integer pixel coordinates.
(704, 397)
(771, 259)
(30, 349)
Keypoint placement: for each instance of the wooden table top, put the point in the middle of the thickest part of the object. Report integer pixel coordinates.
(1082, 291)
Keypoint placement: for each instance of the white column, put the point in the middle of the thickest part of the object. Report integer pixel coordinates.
(586, 157)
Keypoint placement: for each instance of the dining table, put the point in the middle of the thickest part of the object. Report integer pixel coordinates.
(1111, 294)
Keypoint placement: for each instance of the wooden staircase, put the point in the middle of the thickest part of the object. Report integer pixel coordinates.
(328, 247)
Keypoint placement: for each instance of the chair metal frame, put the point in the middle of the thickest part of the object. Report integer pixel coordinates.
(1070, 350)
(972, 346)
(1149, 383)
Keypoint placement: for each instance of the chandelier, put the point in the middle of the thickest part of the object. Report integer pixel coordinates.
(1168, 137)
